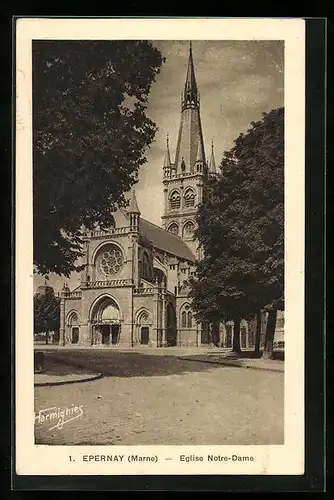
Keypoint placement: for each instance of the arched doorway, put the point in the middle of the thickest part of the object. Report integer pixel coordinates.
(106, 326)
(143, 324)
(171, 335)
(144, 335)
(73, 327)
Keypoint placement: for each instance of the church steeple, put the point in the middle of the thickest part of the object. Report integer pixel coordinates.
(184, 184)
(190, 137)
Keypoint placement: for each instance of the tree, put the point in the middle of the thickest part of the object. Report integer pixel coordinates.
(90, 134)
(241, 230)
(46, 313)
(222, 288)
(261, 154)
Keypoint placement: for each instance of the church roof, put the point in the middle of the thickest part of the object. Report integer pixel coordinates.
(164, 240)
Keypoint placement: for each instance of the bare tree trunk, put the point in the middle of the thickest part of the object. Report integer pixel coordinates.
(258, 332)
(270, 332)
(236, 336)
(46, 337)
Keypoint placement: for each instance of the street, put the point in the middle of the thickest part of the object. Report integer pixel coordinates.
(147, 399)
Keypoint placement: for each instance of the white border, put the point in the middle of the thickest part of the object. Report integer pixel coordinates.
(285, 459)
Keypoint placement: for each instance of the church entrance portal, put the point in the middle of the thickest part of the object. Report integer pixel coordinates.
(106, 323)
(109, 334)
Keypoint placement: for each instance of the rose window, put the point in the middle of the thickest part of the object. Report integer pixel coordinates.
(111, 260)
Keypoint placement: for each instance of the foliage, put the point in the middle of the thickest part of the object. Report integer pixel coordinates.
(46, 313)
(90, 135)
(241, 227)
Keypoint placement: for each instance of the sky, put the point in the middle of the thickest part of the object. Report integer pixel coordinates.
(237, 81)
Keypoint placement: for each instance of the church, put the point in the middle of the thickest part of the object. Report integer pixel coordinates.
(133, 290)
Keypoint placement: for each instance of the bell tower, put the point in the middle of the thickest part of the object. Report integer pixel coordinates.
(183, 179)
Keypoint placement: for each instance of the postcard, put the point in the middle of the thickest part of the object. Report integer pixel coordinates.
(159, 246)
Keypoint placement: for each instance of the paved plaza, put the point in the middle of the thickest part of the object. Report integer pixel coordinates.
(151, 398)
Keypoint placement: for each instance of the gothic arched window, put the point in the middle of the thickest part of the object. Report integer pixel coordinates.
(189, 229)
(184, 319)
(147, 275)
(175, 200)
(189, 198)
(174, 228)
(159, 276)
(190, 320)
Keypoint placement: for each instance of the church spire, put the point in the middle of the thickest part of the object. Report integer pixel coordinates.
(190, 137)
(212, 162)
(190, 87)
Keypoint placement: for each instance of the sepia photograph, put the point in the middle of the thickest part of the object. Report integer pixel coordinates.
(159, 223)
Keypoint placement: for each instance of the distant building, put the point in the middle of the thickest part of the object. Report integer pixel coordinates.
(45, 290)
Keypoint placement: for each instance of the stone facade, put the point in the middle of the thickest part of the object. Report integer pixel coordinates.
(131, 292)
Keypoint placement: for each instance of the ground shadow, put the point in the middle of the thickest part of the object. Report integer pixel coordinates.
(53, 367)
(248, 354)
(125, 364)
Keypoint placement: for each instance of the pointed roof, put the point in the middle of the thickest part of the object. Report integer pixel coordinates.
(167, 162)
(133, 207)
(190, 85)
(212, 162)
(190, 138)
